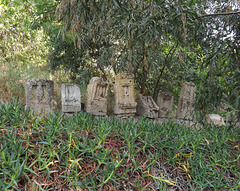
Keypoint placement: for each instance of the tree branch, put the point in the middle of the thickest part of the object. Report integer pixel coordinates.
(145, 64)
(218, 14)
(103, 72)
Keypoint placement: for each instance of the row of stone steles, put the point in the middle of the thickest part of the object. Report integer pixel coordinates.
(39, 98)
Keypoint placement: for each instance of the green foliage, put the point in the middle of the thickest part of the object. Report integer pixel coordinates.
(23, 52)
(161, 42)
(66, 58)
(135, 36)
(219, 71)
(83, 152)
(21, 47)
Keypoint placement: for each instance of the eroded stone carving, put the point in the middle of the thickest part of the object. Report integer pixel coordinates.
(39, 96)
(186, 101)
(71, 98)
(96, 98)
(147, 107)
(165, 104)
(125, 104)
(215, 119)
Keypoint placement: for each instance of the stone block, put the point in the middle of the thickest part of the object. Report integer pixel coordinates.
(96, 97)
(39, 96)
(188, 91)
(125, 104)
(215, 119)
(186, 101)
(147, 107)
(71, 98)
(165, 104)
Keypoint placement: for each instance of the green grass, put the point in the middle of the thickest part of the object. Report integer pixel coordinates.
(86, 153)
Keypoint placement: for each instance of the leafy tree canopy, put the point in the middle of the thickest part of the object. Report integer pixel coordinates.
(161, 42)
(22, 47)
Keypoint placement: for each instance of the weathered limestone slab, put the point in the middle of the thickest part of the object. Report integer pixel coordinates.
(125, 104)
(96, 98)
(39, 96)
(165, 104)
(147, 107)
(215, 119)
(186, 101)
(71, 98)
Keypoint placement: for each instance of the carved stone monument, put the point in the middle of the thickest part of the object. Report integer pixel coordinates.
(71, 98)
(96, 97)
(186, 101)
(125, 104)
(165, 104)
(39, 96)
(147, 107)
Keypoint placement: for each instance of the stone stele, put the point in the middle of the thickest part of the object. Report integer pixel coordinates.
(125, 104)
(165, 104)
(39, 96)
(96, 98)
(147, 107)
(71, 98)
(186, 101)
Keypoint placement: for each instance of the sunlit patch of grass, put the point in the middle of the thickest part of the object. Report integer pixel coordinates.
(83, 152)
